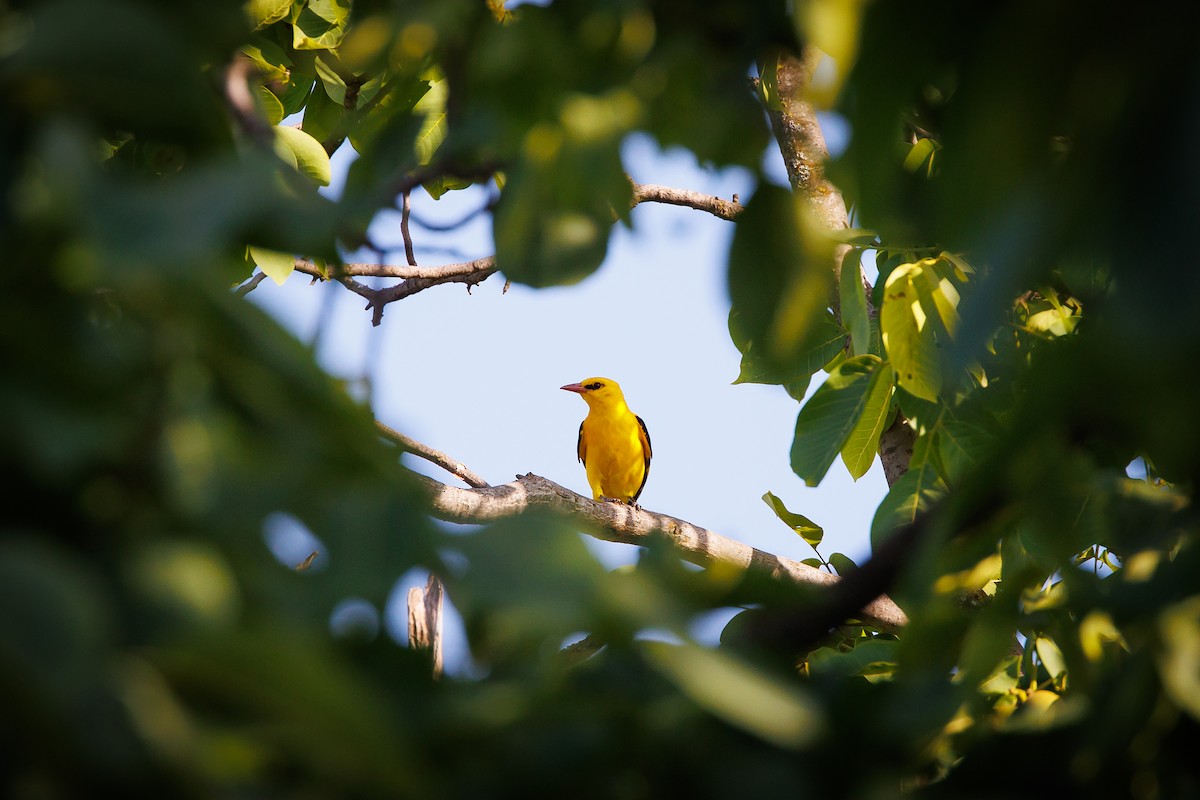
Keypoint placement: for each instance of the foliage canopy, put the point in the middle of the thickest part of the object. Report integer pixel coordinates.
(1026, 190)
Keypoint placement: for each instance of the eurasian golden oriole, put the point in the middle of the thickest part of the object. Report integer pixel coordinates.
(614, 445)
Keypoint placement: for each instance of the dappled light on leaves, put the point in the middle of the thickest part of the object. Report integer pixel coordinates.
(988, 289)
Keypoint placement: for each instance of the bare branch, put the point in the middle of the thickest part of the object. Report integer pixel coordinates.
(621, 523)
(250, 285)
(429, 454)
(405, 209)
(653, 193)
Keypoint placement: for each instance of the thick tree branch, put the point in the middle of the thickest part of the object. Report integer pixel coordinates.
(621, 523)
(802, 144)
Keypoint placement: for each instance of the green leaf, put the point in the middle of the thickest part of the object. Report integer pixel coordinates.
(335, 85)
(780, 282)
(760, 703)
(557, 209)
(319, 24)
(960, 446)
(858, 453)
(830, 415)
(270, 59)
(1179, 653)
(914, 492)
(433, 129)
(266, 12)
(843, 564)
(853, 296)
(768, 83)
(908, 335)
(301, 149)
(272, 108)
(826, 341)
(276, 265)
(808, 530)
(830, 661)
(323, 119)
(921, 153)
(1052, 658)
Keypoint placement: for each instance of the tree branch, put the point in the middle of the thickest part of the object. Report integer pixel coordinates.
(429, 454)
(653, 193)
(802, 144)
(621, 523)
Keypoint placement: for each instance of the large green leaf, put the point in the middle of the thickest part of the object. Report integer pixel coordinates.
(319, 24)
(556, 211)
(265, 12)
(908, 335)
(780, 279)
(305, 152)
(831, 415)
(858, 453)
(913, 493)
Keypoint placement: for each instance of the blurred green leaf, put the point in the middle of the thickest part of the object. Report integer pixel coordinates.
(758, 702)
(780, 281)
(844, 664)
(1179, 653)
(914, 492)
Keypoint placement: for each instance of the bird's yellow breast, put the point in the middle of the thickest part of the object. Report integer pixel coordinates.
(616, 456)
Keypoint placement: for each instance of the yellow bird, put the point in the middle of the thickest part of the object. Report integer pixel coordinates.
(614, 445)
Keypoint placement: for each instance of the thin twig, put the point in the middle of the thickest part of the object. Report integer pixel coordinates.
(250, 285)
(405, 209)
(429, 454)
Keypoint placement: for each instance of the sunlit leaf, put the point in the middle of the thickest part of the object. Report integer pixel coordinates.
(306, 152)
(265, 12)
(853, 296)
(908, 336)
(1051, 657)
(277, 266)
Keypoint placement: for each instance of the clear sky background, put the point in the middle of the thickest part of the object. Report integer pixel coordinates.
(477, 375)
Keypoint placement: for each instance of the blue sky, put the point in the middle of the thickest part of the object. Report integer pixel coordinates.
(477, 375)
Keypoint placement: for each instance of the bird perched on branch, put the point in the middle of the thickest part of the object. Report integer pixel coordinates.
(614, 445)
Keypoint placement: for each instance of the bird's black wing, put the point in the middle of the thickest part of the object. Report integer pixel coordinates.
(648, 452)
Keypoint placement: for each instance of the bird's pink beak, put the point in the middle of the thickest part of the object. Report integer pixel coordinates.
(574, 387)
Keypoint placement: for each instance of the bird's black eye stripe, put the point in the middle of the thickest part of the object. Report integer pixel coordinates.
(594, 385)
